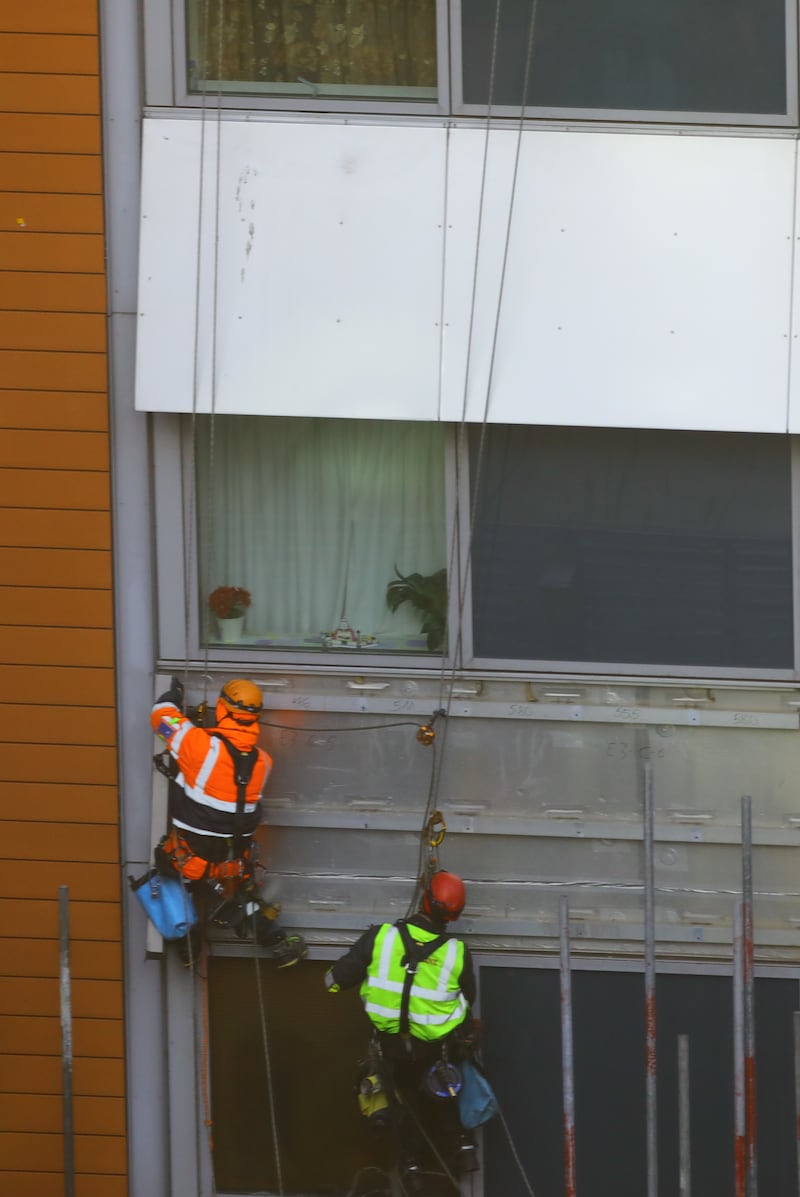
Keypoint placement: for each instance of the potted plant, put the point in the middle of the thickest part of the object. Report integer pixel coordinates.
(427, 594)
(229, 604)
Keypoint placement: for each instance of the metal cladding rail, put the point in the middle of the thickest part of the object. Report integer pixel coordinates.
(796, 1033)
(751, 1159)
(684, 1120)
(65, 990)
(739, 1119)
(567, 1058)
(650, 984)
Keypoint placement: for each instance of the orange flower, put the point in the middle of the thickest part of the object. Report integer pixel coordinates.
(229, 602)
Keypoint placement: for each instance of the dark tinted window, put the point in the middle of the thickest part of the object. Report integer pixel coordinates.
(522, 1052)
(615, 545)
(640, 55)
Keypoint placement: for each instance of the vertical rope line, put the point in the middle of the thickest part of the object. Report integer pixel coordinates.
(209, 1122)
(466, 564)
(210, 532)
(456, 646)
(482, 443)
(445, 693)
(188, 486)
(268, 1066)
(188, 507)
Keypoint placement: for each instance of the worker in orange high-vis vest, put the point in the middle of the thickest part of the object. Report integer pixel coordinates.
(217, 775)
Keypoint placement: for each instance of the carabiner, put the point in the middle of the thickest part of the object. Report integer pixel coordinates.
(436, 829)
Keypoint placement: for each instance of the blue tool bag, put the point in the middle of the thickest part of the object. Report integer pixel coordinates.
(167, 903)
(476, 1100)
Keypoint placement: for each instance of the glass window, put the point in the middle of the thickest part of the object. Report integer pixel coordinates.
(718, 56)
(623, 546)
(344, 48)
(315, 518)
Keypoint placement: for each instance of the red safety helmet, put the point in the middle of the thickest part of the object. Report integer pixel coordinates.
(444, 897)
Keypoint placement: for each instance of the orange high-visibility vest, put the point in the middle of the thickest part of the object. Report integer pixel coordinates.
(206, 774)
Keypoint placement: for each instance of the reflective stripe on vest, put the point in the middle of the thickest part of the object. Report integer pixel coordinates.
(436, 1003)
(197, 792)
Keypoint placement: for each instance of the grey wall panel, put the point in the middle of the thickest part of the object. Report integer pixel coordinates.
(534, 810)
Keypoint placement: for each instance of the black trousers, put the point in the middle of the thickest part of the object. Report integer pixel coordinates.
(423, 1125)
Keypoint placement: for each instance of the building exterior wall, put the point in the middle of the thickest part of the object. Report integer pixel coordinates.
(518, 789)
(59, 810)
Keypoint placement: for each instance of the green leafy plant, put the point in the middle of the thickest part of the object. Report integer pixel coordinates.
(427, 594)
(229, 602)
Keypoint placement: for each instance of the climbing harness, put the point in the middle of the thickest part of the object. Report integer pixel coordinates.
(416, 953)
(243, 765)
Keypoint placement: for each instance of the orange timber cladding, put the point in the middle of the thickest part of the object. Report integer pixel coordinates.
(59, 809)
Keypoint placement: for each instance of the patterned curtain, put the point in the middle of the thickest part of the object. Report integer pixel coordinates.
(389, 43)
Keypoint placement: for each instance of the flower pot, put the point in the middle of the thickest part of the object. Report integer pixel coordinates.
(230, 630)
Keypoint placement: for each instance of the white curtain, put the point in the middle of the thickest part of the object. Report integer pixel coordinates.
(312, 515)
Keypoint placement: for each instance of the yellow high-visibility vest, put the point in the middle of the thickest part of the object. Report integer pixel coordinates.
(436, 1003)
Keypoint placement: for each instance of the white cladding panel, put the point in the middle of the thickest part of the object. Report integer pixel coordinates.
(647, 280)
(327, 271)
(794, 368)
(647, 277)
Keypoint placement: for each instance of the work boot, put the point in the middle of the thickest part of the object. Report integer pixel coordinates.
(466, 1156)
(230, 915)
(411, 1176)
(286, 949)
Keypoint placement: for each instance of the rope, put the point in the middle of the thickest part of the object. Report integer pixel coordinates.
(445, 701)
(201, 1038)
(366, 727)
(209, 1122)
(514, 1152)
(268, 1066)
(470, 328)
(481, 447)
(384, 1178)
(431, 1144)
(210, 539)
(457, 654)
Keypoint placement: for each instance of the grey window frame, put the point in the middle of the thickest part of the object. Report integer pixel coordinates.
(629, 116)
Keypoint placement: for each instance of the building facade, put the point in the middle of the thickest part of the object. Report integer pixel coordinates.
(462, 337)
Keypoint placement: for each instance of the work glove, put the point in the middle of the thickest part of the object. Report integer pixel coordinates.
(174, 694)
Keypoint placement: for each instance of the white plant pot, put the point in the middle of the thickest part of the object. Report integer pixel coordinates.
(230, 630)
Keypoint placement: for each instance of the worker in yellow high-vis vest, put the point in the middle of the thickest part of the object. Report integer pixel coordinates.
(417, 984)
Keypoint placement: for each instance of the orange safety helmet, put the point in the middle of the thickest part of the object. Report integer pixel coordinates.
(239, 700)
(444, 897)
